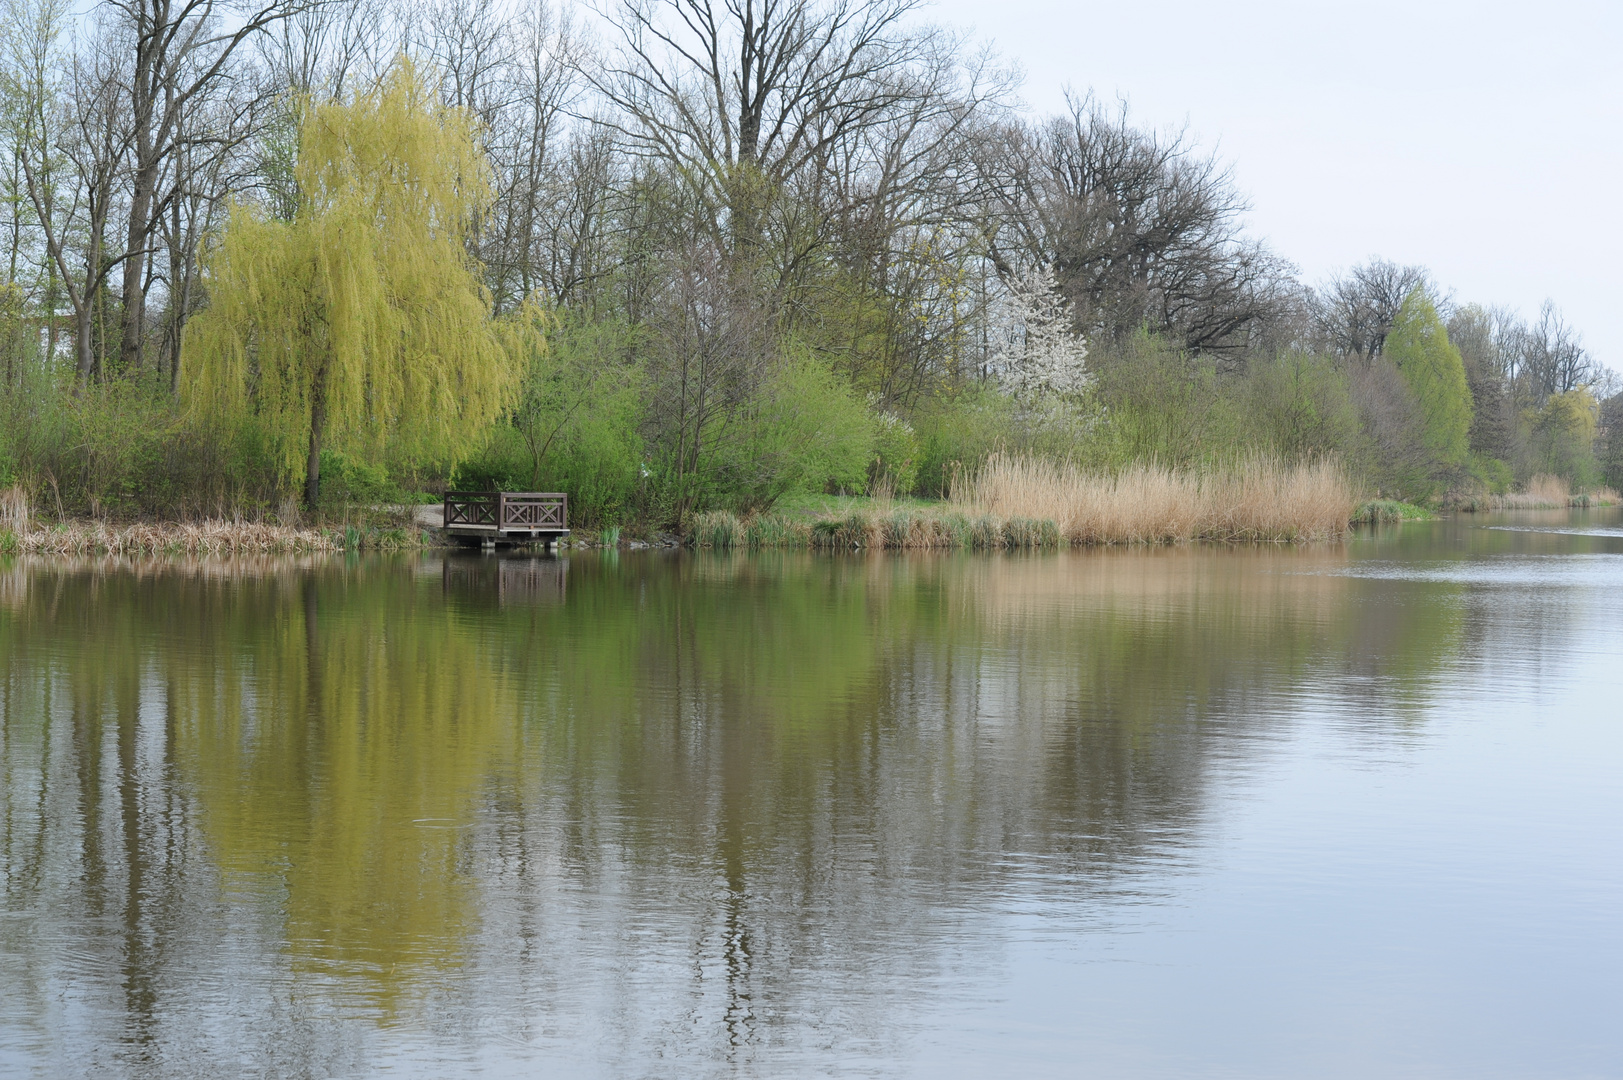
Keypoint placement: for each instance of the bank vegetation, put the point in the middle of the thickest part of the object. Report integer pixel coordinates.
(686, 262)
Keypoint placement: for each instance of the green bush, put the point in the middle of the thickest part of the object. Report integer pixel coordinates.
(1562, 439)
(896, 454)
(1164, 405)
(1494, 476)
(577, 426)
(811, 433)
(1301, 405)
(957, 430)
(347, 482)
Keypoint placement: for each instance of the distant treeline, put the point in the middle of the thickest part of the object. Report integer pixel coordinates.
(689, 257)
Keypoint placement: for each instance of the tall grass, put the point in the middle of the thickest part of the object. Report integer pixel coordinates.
(1257, 499)
(201, 538)
(886, 528)
(14, 512)
(1035, 503)
(1389, 512)
(1544, 492)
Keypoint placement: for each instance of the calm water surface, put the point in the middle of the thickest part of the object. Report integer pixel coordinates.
(1350, 810)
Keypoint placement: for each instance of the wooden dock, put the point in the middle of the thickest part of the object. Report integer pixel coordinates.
(506, 517)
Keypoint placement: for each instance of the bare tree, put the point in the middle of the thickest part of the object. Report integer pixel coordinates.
(1141, 229)
(1552, 358)
(1356, 310)
(30, 95)
(205, 167)
(553, 177)
(89, 129)
(713, 351)
(897, 207)
(741, 95)
(178, 50)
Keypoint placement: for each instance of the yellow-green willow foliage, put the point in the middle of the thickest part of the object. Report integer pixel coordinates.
(362, 322)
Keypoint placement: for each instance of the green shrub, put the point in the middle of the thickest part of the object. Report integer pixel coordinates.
(896, 454)
(1493, 475)
(956, 431)
(1301, 405)
(1562, 439)
(1161, 404)
(346, 481)
(811, 433)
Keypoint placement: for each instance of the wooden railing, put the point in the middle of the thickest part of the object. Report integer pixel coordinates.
(534, 510)
(507, 510)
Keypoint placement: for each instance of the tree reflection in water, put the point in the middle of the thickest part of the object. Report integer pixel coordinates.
(717, 809)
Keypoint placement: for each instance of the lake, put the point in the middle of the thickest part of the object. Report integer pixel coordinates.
(1343, 810)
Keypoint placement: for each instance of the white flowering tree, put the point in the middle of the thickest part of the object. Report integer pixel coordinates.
(1044, 354)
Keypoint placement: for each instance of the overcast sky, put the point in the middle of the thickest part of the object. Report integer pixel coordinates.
(1481, 140)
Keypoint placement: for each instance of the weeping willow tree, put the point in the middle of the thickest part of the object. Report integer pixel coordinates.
(360, 324)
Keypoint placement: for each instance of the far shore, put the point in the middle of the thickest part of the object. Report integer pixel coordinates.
(1010, 504)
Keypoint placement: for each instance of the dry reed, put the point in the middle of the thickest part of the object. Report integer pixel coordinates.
(201, 538)
(1258, 499)
(14, 510)
(896, 528)
(1544, 492)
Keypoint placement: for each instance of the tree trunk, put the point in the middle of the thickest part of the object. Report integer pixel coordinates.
(318, 420)
(134, 316)
(84, 346)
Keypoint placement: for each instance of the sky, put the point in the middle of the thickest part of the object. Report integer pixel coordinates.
(1481, 140)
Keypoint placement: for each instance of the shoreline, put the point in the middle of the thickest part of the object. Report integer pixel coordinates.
(870, 529)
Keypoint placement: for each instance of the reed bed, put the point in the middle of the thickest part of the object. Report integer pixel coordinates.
(1016, 503)
(21, 534)
(893, 529)
(1389, 512)
(1544, 492)
(1255, 500)
(14, 510)
(200, 538)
